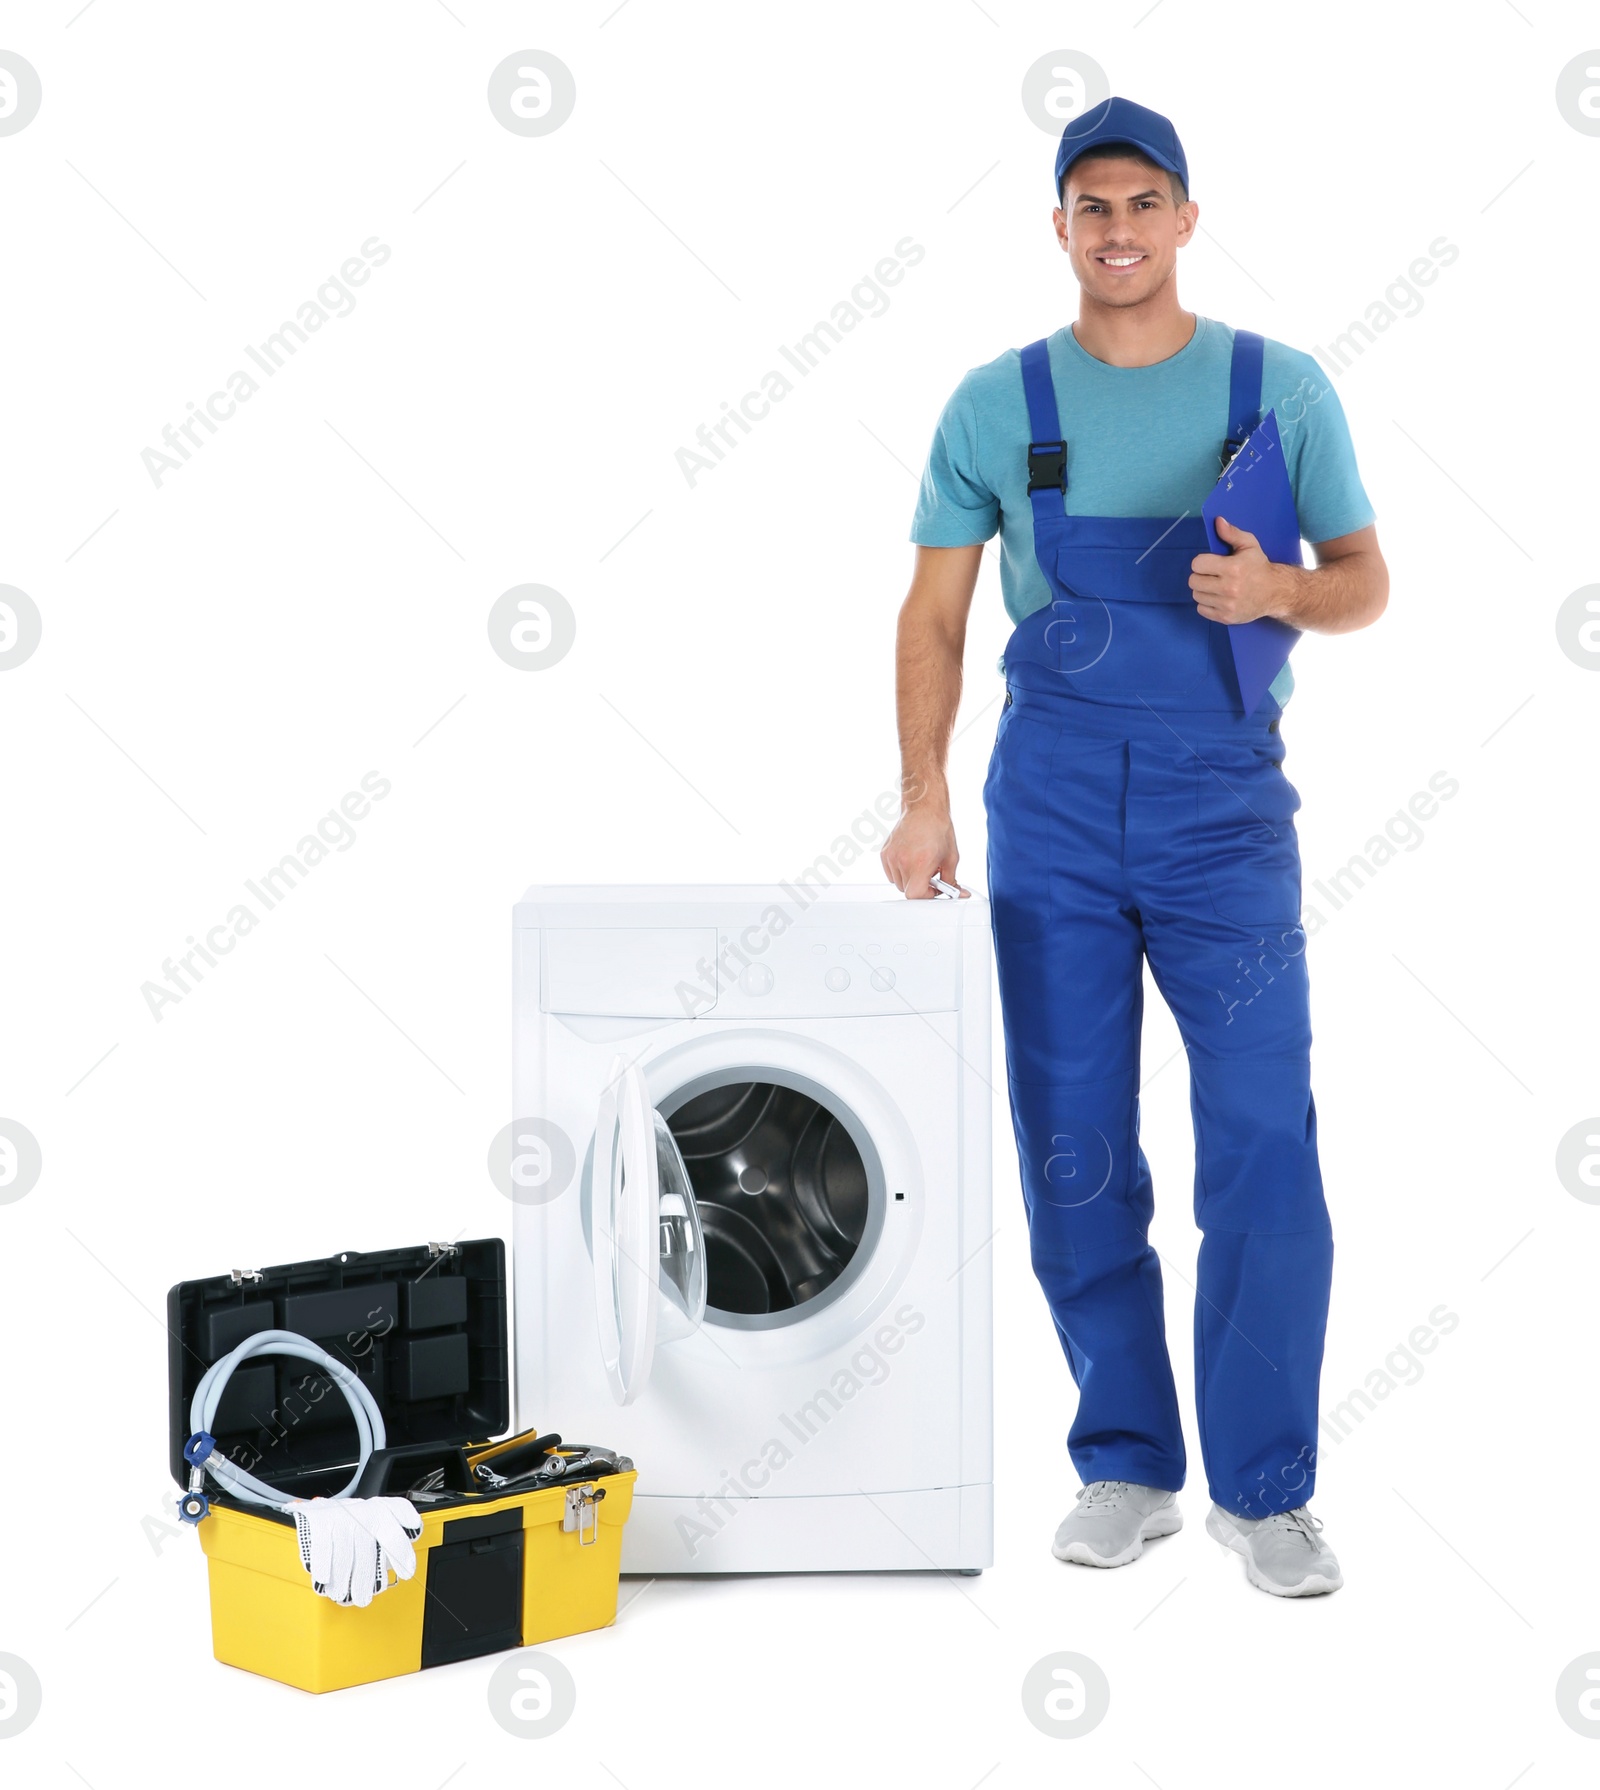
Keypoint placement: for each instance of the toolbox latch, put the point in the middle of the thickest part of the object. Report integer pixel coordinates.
(581, 1513)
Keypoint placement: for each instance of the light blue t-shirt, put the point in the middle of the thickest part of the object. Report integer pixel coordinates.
(1141, 441)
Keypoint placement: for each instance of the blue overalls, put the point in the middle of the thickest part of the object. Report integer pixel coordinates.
(1135, 812)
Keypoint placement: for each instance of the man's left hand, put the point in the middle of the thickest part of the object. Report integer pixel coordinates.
(1241, 585)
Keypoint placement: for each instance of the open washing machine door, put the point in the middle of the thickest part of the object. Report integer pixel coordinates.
(649, 1251)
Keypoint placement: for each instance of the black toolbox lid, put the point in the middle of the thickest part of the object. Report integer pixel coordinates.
(426, 1328)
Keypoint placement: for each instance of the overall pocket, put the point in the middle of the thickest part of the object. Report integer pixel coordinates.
(1245, 843)
(1125, 625)
(1019, 834)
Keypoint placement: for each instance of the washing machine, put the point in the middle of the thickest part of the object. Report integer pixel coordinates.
(751, 1178)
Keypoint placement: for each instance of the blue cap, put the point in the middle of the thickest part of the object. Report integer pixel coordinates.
(1121, 121)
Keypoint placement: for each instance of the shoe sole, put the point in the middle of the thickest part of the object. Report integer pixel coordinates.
(1315, 1584)
(1162, 1522)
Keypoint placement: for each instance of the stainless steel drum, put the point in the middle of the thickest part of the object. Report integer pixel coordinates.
(782, 1192)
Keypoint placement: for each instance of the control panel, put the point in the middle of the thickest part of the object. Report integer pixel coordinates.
(893, 960)
(815, 971)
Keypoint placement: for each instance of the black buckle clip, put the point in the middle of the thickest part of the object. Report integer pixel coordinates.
(1047, 466)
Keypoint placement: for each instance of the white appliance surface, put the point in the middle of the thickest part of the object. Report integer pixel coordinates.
(821, 1056)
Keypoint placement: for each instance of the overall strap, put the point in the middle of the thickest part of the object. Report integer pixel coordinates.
(1047, 449)
(1244, 390)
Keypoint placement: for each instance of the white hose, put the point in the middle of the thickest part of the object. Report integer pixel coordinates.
(208, 1396)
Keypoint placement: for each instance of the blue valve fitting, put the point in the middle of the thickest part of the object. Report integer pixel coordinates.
(194, 1506)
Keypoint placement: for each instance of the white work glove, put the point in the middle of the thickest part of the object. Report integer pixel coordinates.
(349, 1545)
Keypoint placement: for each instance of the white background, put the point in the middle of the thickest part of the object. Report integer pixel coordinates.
(225, 655)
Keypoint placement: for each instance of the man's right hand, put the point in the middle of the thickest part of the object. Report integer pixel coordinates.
(921, 847)
(928, 647)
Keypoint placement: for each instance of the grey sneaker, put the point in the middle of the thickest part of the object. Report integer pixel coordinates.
(1283, 1554)
(1113, 1521)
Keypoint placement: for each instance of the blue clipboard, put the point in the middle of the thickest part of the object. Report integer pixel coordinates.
(1254, 493)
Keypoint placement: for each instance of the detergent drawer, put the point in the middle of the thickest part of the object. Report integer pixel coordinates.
(627, 972)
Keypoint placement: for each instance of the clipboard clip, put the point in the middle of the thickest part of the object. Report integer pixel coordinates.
(1230, 453)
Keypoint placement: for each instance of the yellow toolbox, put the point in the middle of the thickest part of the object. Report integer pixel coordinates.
(425, 1329)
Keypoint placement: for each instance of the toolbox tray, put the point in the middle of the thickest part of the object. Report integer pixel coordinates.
(426, 1329)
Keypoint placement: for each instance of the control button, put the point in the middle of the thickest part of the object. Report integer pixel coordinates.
(845, 950)
(757, 978)
(874, 950)
(901, 949)
(838, 979)
(818, 950)
(883, 978)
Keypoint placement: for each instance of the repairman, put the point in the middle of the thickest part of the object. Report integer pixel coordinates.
(1138, 814)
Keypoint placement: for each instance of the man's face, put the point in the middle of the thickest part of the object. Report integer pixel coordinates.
(1122, 228)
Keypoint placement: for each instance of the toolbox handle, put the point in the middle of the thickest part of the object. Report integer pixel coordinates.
(392, 1471)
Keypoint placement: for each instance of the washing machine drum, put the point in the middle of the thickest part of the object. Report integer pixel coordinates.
(782, 1193)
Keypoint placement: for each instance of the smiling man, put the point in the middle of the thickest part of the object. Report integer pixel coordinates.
(1138, 814)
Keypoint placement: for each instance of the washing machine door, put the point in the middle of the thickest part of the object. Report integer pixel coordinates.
(649, 1251)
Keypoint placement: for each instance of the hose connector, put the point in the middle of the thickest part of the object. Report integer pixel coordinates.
(194, 1505)
(200, 1446)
